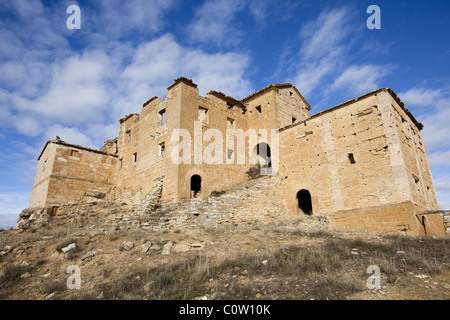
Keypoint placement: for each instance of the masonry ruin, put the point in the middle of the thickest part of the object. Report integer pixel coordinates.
(361, 164)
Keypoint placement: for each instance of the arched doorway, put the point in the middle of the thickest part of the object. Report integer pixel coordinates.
(262, 155)
(304, 202)
(196, 185)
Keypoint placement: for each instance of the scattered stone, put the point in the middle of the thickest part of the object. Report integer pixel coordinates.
(50, 296)
(421, 276)
(400, 252)
(100, 296)
(7, 249)
(155, 247)
(146, 246)
(148, 286)
(258, 296)
(166, 248)
(2, 253)
(69, 247)
(180, 247)
(87, 278)
(215, 295)
(25, 275)
(265, 262)
(89, 255)
(126, 245)
(25, 264)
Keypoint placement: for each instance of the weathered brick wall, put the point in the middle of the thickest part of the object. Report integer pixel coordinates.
(315, 156)
(72, 175)
(44, 170)
(399, 217)
(354, 162)
(416, 166)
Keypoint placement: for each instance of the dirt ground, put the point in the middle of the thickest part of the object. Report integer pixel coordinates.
(250, 262)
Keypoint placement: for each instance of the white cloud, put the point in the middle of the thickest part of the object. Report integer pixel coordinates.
(117, 19)
(321, 62)
(360, 79)
(430, 106)
(214, 21)
(421, 97)
(158, 62)
(324, 36)
(439, 159)
(13, 202)
(8, 221)
(442, 185)
(69, 134)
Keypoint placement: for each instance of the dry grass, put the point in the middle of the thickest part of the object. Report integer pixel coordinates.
(328, 270)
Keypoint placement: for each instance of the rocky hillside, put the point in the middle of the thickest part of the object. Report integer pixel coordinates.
(233, 245)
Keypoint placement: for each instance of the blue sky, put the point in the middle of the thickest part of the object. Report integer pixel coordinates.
(77, 84)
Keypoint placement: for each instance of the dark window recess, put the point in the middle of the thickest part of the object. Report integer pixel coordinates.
(259, 110)
(351, 158)
(162, 148)
(162, 116)
(74, 153)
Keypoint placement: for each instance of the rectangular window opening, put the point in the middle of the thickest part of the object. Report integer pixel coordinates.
(203, 115)
(135, 157)
(230, 153)
(293, 120)
(162, 148)
(351, 157)
(162, 116)
(230, 123)
(259, 110)
(74, 153)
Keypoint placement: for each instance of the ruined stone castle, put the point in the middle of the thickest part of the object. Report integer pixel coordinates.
(361, 164)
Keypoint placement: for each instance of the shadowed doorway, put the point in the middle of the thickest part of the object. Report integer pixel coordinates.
(196, 185)
(304, 202)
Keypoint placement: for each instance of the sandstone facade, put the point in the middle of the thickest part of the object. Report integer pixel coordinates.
(361, 164)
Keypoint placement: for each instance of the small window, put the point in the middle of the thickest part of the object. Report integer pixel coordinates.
(135, 157)
(162, 116)
(129, 137)
(416, 179)
(120, 163)
(230, 153)
(259, 110)
(291, 93)
(230, 105)
(351, 158)
(203, 115)
(162, 148)
(230, 123)
(74, 153)
(293, 120)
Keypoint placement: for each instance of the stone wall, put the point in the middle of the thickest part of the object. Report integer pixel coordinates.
(401, 217)
(352, 160)
(72, 174)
